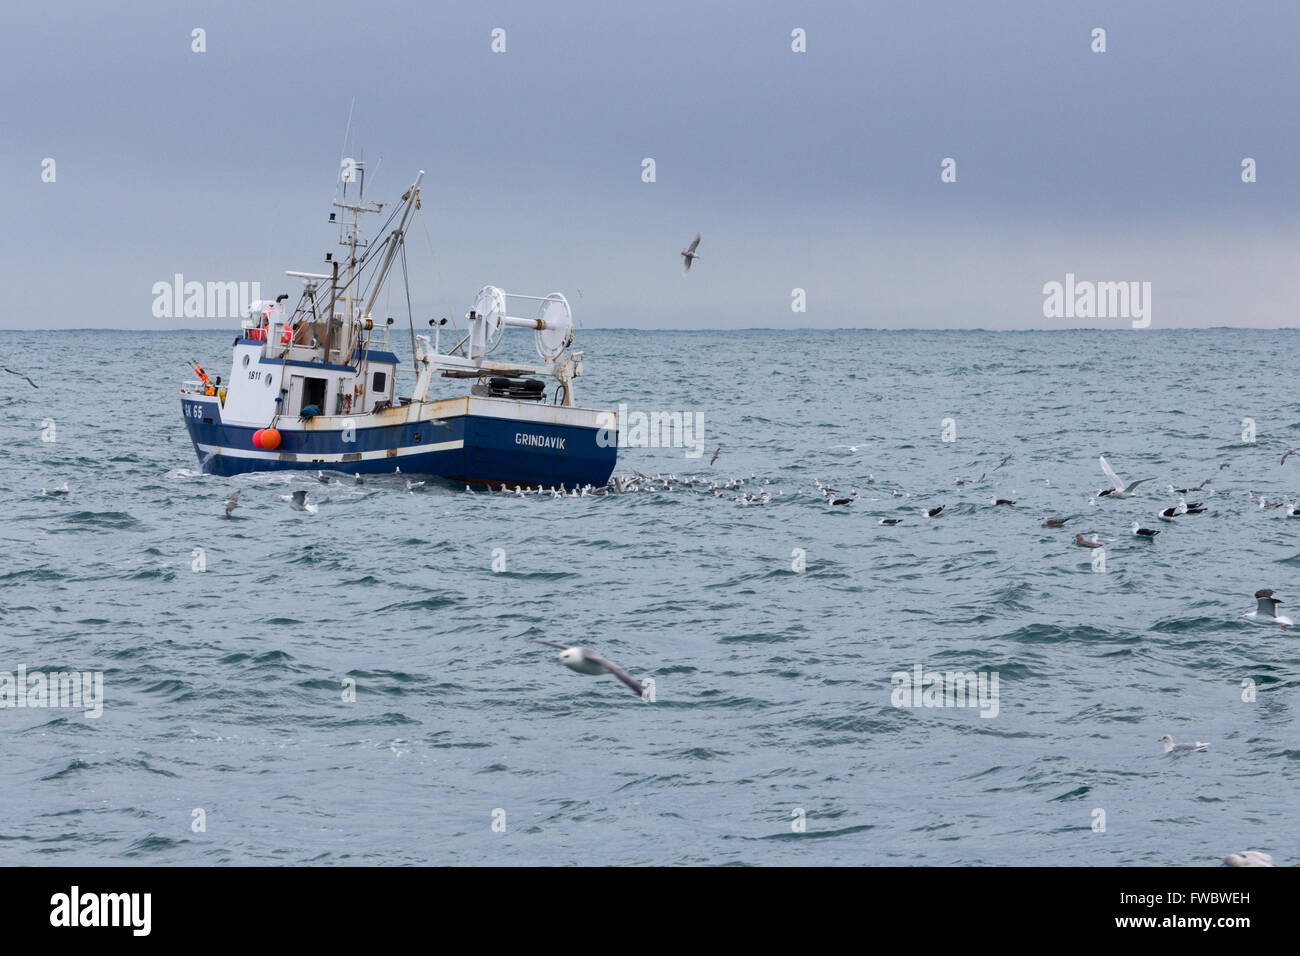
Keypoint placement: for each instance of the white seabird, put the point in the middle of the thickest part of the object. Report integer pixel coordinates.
(1266, 611)
(298, 502)
(585, 661)
(1120, 490)
(55, 492)
(1246, 858)
(1171, 747)
(1142, 532)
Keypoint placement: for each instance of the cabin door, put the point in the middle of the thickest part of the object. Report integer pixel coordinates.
(306, 390)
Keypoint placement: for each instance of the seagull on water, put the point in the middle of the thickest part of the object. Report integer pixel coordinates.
(232, 503)
(55, 492)
(1120, 490)
(1084, 541)
(1056, 522)
(933, 512)
(890, 521)
(1169, 514)
(1140, 532)
(689, 255)
(1266, 611)
(1002, 501)
(1246, 858)
(585, 661)
(1171, 747)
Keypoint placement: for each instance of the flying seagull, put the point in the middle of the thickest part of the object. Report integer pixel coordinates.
(1289, 452)
(689, 255)
(1246, 858)
(34, 385)
(585, 661)
(1171, 747)
(1266, 611)
(715, 456)
(232, 503)
(1120, 490)
(298, 502)
(1004, 462)
(1142, 532)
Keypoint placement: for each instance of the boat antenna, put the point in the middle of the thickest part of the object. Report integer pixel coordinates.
(343, 153)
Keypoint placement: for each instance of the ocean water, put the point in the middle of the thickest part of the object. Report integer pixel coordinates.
(773, 711)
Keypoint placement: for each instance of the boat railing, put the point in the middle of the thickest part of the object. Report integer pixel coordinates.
(272, 338)
(209, 390)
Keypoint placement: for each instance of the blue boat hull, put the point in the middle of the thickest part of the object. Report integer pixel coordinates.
(476, 448)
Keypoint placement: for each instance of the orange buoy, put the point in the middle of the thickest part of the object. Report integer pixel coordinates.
(257, 437)
(270, 439)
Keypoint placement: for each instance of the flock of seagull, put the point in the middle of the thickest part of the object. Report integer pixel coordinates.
(1265, 612)
(582, 660)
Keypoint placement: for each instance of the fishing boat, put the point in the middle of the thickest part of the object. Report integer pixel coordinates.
(315, 386)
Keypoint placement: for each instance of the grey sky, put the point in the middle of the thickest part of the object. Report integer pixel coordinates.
(817, 170)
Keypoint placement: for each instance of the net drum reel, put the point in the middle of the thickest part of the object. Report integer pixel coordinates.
(548, 316)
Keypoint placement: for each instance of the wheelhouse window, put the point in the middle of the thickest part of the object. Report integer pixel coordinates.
(379, 383)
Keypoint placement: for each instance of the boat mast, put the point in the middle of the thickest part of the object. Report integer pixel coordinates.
(351, 239)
